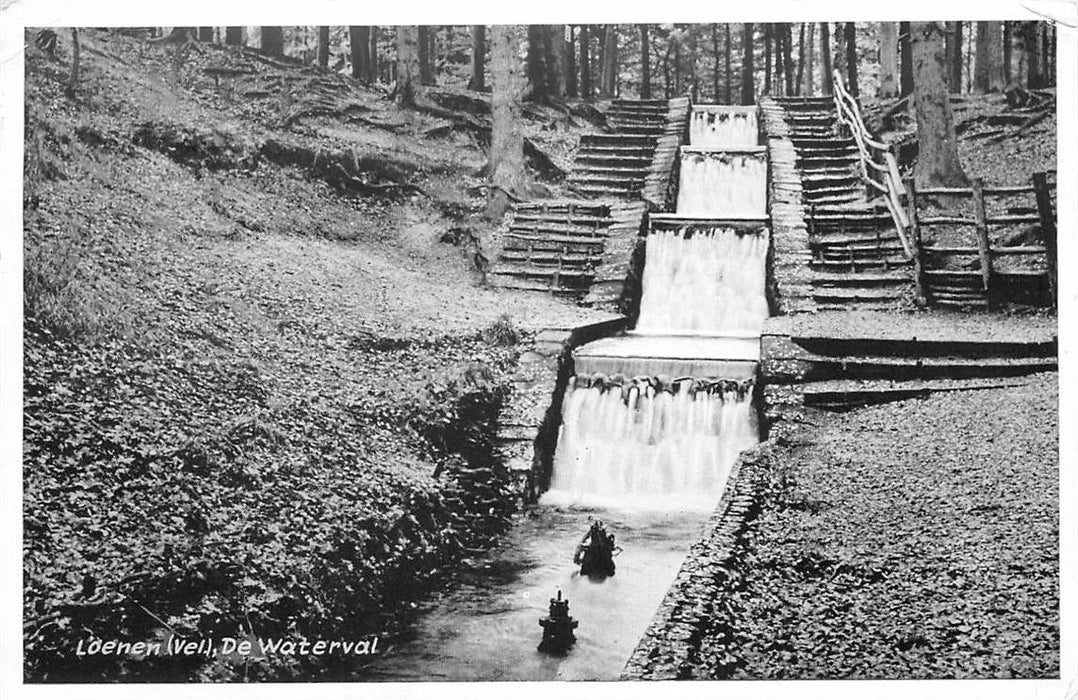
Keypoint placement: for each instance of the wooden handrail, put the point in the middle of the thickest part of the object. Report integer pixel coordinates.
(875, 156)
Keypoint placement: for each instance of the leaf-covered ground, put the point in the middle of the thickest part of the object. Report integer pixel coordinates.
(917, 539)
(253, 404)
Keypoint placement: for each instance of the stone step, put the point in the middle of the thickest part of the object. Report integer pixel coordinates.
(576, 261)
(553, 241)
(851, 294)
(622, 140)
(566, 217)
(537, 228)
(509, 281)
(589, 157)
(536, 272)
(875, 278)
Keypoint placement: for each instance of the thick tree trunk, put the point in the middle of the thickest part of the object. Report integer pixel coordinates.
(570, 64)
(479, 50)
(205, 33)
(850, 32)
(954, 57)
(537, 62)
(608, 86)
(988, 75)
(809, 86)
(585, 63)
(359, 39)
(727, 91)
(506, 165)
(888, 60)
(694, 78)
(323, 47)
(748, 87)
(827, 81)
(407, 64)
(233, 36)
(1034, 57)
(905, 51)
(556, 64)
(272, 41)
(645, 63)
(937, 155)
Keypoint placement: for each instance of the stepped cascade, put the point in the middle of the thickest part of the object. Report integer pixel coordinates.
(658, 417)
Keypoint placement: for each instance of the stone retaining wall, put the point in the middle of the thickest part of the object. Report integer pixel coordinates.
(529, 419)
(789, 276)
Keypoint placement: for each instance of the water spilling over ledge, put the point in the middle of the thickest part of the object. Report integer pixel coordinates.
(723, 125)
(724, 183)
(704, 280)
(648, 443)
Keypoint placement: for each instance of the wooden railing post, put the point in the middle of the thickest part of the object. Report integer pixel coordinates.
(915, 230)
(983, 249)
(1048, 230)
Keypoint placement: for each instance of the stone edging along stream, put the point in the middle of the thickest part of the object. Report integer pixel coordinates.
(670, 648)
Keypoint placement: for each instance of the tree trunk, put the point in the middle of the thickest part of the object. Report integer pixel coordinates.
(556, 64)
(608, 86)
(800, 59)
(726, 51)
(645, 64)
(787, 57)
(954, 59)
(407, 64)
(479, 50)
(426, 57)
(694, 79)
(827, 81)
(372, 58)
(323, 47)
(585, 63)
(537, 62)
(809, 86)
(937, 156)
(716, 57)
(748, 87)
(506, 165)
(271, 42)
(1034, 58)
(359, 39)
(73, 77)
(233, 36)
(850, 32)
(989, 58)
(570, 64)
(767, 58)
(205, 33)
(888, 60)
(905, 51)
(1008, 38)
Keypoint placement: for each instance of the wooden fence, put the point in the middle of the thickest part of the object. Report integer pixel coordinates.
(953, 270)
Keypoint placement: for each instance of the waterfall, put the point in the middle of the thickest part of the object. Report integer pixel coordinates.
(704, 281)
(714, 126)
(642, 444)
(720, 184)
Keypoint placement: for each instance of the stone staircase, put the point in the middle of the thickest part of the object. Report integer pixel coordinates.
(857, 257)
(556, 245)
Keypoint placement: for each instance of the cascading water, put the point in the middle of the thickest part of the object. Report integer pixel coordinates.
(722, 126)
(722, 184)
(704, 281)
(650, 430)
(669, 446)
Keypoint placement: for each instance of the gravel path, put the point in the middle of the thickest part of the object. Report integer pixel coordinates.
(923, 325)
(917, 539)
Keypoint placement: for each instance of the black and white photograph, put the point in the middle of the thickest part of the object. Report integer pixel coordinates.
(413, 353)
